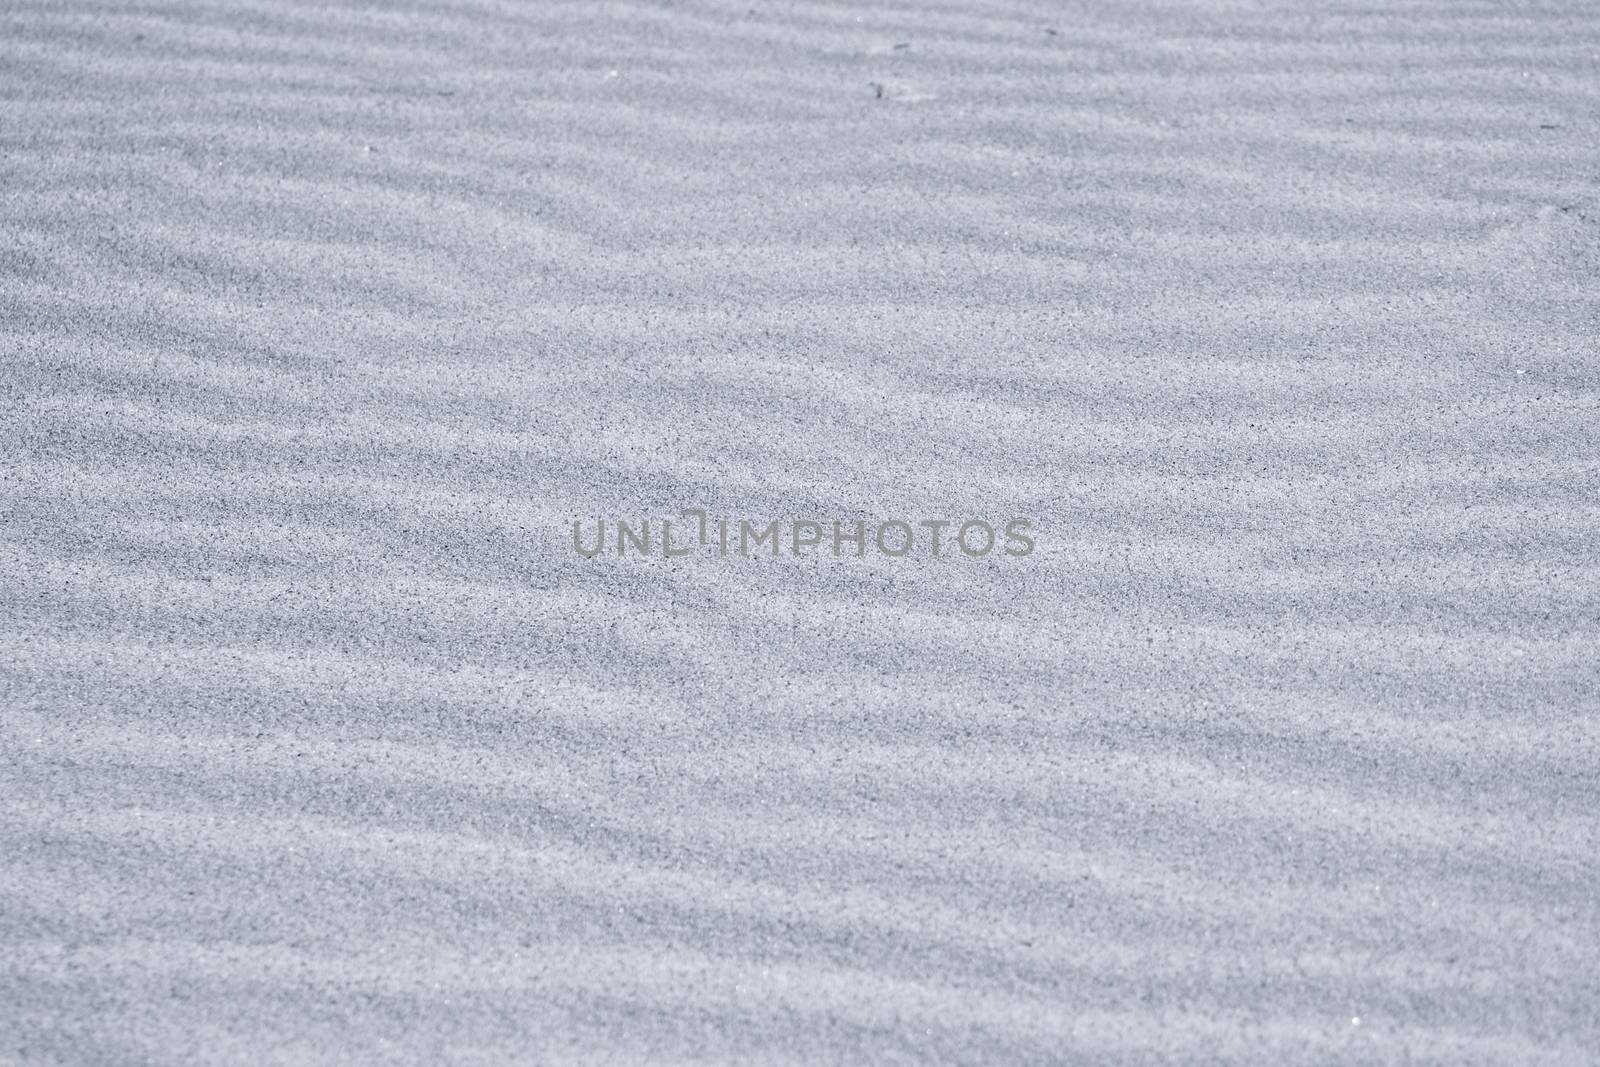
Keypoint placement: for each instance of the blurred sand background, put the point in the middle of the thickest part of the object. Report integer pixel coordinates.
(320, 322)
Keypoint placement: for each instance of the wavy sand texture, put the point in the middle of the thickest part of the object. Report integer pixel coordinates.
(320, 321)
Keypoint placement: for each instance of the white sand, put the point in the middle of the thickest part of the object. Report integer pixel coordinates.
(320, 323)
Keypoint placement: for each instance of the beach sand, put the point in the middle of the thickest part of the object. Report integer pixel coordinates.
(321, 323)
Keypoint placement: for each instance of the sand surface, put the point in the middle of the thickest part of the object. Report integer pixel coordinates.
(321, 322)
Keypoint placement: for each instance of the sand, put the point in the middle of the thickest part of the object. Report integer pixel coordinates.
(320, 324)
